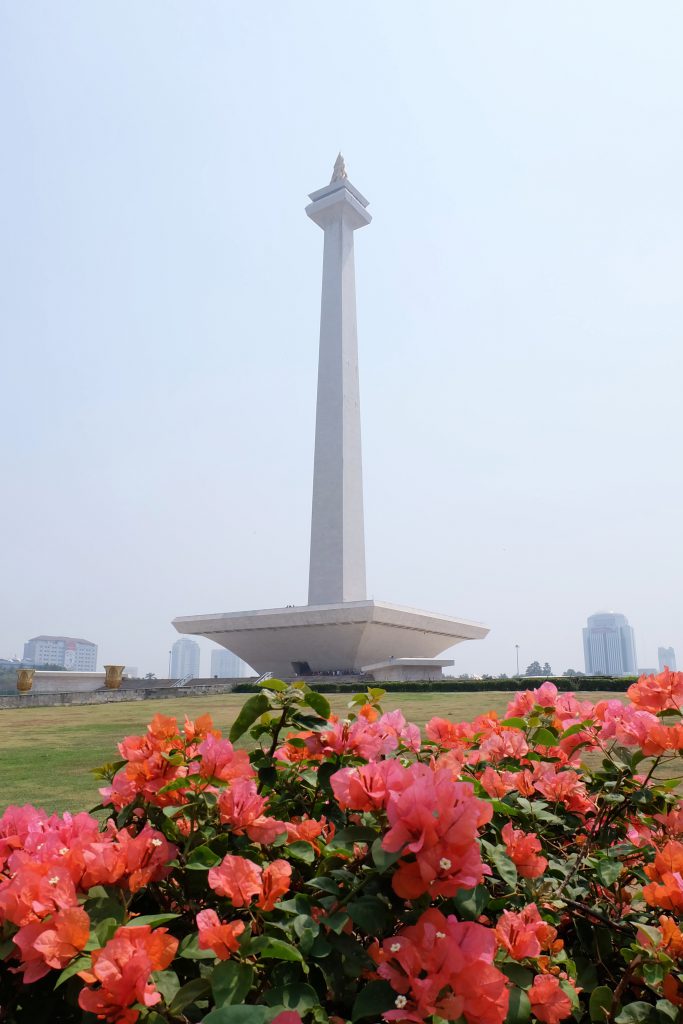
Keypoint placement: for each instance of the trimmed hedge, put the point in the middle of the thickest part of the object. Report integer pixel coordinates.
(574, 684)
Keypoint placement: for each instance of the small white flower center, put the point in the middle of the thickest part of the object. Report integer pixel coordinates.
(54, 880)
(395, 946)
(441, 935)
(156, 842)
(444, 864)
(400, 1002)
(64, 850)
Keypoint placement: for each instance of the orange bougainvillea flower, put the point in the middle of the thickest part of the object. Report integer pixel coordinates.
(221, 937)
(276, 879)
(666, 872)
(524, 934)
(522, 849)
(663, 692)
(52, 944)
(549, 1003)
(123, 967)
(237, 878)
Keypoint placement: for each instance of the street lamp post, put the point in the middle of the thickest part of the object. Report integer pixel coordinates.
(517, 653)
(169, 664)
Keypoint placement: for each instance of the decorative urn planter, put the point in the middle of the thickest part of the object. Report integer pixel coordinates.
(113, 676)
(25, 679)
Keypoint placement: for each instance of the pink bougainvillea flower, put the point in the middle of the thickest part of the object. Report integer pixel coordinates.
(367, 787)
(524, 934)
(663, 692)
(51, 944)
(221, 937)
(221, 761)
(522, 849)
(508, 743)
(276, 879)
(445, 967)
(497, 784)
(549, 1003)
(237, 878)
(37, 888)
(123, 967)
(438, 820)
(242, 808)
(287, 1017)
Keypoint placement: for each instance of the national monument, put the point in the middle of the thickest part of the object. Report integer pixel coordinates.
(339, 629)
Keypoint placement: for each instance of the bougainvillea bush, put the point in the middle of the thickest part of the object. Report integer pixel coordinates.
(514, 869)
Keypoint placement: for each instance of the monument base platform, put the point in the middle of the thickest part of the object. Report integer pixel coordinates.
(314, 639)
(404, 670)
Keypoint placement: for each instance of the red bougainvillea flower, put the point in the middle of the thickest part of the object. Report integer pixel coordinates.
(242, 808)
(524, 934)
(237, 878)
(666, 872)
(308, 830)
(51, 944)
(221, 937)
(663, 692)
(549, 1002)
(522, 849)
(497, 784)
(276, 880)
(123, 968)
(288, 1017)
(445, 967)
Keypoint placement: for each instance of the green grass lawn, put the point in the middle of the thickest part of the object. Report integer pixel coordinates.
(46, 753)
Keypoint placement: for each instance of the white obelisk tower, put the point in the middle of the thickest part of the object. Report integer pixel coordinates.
(337, 566)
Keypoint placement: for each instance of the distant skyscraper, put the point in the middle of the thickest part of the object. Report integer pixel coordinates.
(67, 652)
(185, 658)
(667, 658)
(226, 665)
(609, 645)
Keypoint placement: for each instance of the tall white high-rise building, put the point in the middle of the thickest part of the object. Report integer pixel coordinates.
(68, 652)
(226, 665)
(667, 658)
(609, 645)
(185, 658)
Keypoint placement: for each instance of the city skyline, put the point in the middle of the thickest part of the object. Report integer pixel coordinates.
(520, 337)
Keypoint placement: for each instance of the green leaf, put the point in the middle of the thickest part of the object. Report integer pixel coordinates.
(81, 963)
(354, 834)
(600, 1003)
(369, 913)
(504, 866)
(301, 850)
(471, 903)
(189, 949)
(230, 982)
(608, 870)
(297, 996)
(188, 994)
(545, 738)
(318, 703)
(521, 977)
(273, 684)
(637, 1013)
(382, 859)
(514, 723)
(325, 884)
(251, 710)
(275, 949)
(667, 1010)
(150, 919)
(167, 983)
(520, 1007)
(373, 1000)
(237, 1015)
(202, 858)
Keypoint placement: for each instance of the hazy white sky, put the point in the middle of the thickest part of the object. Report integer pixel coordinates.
(519, 300)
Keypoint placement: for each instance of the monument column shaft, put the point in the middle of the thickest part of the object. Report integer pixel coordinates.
(337, 566)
